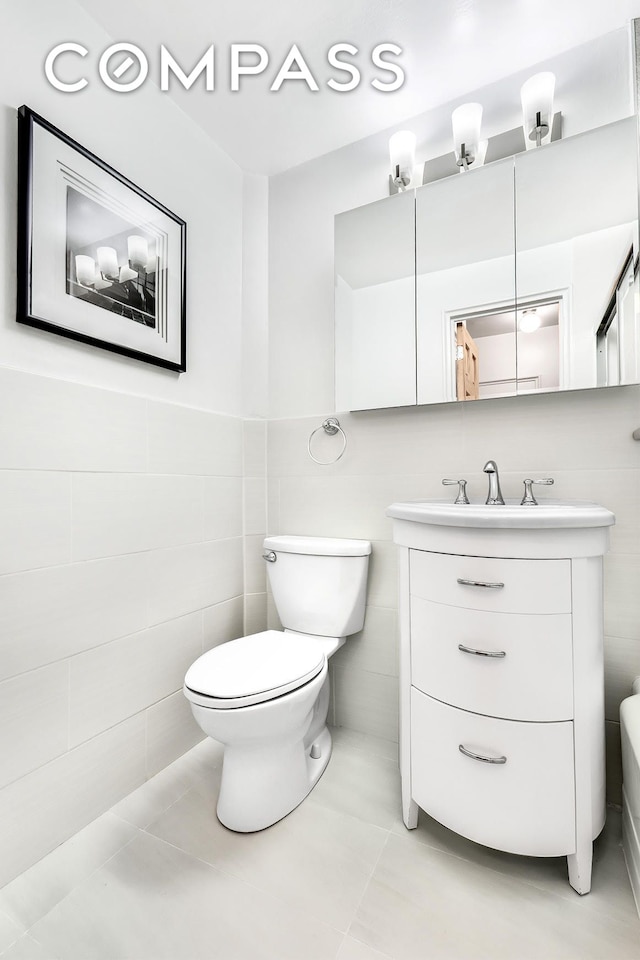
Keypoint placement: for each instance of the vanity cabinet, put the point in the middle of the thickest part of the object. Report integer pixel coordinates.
(502, 702)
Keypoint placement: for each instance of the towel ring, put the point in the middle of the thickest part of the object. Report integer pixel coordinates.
(331, 426)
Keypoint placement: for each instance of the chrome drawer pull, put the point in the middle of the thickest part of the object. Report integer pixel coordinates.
(496, 654)
(480, 583)
(479, 756)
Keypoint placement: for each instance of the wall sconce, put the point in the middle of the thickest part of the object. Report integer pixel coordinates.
(537, 109)
(465, 121)
(529, 321)
(402, 153)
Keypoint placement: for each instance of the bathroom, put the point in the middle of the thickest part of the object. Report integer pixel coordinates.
(135, 501)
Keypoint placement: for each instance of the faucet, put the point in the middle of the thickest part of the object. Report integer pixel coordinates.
(495, 493)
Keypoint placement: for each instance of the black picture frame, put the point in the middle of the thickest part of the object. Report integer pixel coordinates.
(75, 211)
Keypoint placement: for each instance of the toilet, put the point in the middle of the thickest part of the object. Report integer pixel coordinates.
(265, 697)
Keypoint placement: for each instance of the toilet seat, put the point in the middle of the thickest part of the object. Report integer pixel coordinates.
(253, 669)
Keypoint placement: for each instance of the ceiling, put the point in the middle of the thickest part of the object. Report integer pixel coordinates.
(450, 47)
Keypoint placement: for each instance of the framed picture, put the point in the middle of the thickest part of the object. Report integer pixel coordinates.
(99, 260)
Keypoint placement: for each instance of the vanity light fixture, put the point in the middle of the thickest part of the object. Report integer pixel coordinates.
(105, 269)
(468, 148)
(529, 321)
(402, 153)
(537, 109)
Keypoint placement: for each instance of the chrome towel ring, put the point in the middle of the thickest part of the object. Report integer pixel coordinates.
(331, 426)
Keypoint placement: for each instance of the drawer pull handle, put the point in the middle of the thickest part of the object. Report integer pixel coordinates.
(480, 583)
(495, 654)
(480, 756)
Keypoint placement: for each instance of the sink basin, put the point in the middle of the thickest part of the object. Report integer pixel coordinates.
(512, 515)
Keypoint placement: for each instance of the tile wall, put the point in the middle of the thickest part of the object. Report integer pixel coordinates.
(581, 439)
(122, 560)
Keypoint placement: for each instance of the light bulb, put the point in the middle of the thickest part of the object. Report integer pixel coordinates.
(108, 263)
(529, 321)
(85, 270)
(537, 109)
(402, 153)
(465, 123)
(138, 251)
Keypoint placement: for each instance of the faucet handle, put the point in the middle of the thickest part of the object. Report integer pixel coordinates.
(462, 490)
(528, 499)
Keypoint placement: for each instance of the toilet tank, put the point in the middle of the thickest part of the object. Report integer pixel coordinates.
(319, 584)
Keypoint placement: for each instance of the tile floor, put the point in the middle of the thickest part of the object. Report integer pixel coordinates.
(158, 878)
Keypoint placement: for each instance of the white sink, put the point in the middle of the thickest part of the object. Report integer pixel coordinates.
(546, 514)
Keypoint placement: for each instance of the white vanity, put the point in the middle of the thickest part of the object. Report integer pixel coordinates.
(501, 673)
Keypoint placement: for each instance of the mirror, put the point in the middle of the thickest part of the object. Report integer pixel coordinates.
(375, 359)
(465, 285)
(523, 279)
(576, 248)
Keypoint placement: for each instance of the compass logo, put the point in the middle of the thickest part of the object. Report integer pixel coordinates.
(124, 67)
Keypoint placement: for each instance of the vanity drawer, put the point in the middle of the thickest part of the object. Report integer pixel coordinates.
(532, 681)
(505, 586)
(524, 804)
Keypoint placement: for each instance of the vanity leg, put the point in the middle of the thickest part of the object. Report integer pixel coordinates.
(410, 813)
(579, 864)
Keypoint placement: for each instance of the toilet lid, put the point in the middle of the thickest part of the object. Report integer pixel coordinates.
(255, 668)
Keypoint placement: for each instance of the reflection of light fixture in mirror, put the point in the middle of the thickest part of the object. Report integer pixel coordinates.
(402, 153)
(85, 270)
(465, 121)
(529, 321)
(537, 109)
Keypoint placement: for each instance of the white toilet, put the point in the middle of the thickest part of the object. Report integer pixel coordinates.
(266, 696)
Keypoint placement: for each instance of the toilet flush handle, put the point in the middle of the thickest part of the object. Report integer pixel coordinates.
(270, 556)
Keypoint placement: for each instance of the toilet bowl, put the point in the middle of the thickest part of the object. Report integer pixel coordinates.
(265, 696)
(630, 735)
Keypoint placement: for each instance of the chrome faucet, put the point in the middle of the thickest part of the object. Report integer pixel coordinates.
(495, 493)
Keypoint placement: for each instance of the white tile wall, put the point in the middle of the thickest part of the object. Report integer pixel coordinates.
(35, 519)
(54, 425)
(255, 515)
(255, 525)
(171, 731)
(44, 808)
(34, 711)
(118, 679)
(56, 612)
(186, 441)
(183, 579)
(222, 507)
(121, 561)
(127, 513)
(581, 439)
(224, 621)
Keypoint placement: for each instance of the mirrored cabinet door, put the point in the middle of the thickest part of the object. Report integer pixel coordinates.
(465, 266)
(375, 349)
(576, 250)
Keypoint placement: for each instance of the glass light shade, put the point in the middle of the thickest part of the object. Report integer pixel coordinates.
(127, 274)
(465, 123)
(402, 153)
(85, 270)
(138, 251)
(108, 263)
(537, 98)
(529, 321)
